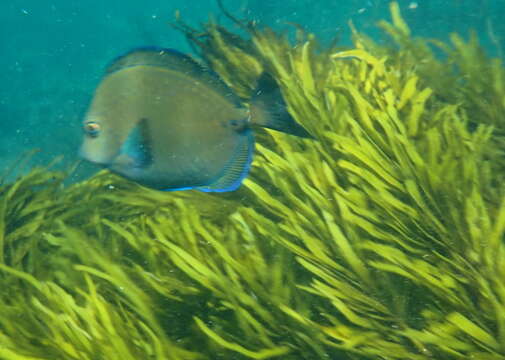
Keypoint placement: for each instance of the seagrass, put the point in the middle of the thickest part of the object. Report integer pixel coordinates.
(382, 239)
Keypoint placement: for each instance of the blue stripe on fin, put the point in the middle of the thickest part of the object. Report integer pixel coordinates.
(179, 189)
(237, 168)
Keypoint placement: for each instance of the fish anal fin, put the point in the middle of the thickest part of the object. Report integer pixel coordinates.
(237, 168)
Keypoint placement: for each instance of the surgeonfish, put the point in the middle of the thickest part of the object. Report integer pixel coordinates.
(165, 121)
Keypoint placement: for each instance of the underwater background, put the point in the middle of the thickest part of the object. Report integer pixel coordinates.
(383, 237)
(55, 52)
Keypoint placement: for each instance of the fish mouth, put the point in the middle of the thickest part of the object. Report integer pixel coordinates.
(99, 164)
(103, 163)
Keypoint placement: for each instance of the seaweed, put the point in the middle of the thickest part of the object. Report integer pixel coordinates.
(383, 239)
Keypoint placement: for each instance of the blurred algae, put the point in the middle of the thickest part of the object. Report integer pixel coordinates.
(384, 239)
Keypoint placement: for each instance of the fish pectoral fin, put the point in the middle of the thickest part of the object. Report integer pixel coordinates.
(137, 145)
(236, 169)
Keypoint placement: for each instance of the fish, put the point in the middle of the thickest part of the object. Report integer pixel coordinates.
(162, 119)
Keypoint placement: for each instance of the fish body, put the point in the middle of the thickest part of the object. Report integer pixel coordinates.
(161, 119)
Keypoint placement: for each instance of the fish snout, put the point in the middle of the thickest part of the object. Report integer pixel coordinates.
(99, 158)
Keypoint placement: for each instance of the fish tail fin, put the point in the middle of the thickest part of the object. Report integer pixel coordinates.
(269, 110)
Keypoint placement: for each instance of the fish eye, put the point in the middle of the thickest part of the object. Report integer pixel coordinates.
(92, 129)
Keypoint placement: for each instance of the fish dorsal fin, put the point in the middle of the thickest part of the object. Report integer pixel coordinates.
(137, 145)
(172, 60)
(154, 56)
(237, 168)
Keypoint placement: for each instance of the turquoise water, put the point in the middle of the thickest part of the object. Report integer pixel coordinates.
(54, 52)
